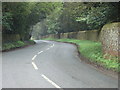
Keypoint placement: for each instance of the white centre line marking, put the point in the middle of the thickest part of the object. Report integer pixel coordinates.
(47, 48)
(51, 82)
(34, 57)
(53, 44)
(34, 65)
(40, 52)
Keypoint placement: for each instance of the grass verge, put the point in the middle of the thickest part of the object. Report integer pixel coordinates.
(17, 44)
(93, 52)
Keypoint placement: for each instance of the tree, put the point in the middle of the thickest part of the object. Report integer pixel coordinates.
(52, 21)
(97, 14)
(88, 15)
(50, 25)
(19, 17)
(56, 17)
(76, 16)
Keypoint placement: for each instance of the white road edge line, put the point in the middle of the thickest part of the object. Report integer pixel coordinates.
(34, 57)
(51, 82)
(40, 52)
(35, 66)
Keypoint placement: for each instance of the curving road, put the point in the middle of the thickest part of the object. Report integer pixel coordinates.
(49, 64)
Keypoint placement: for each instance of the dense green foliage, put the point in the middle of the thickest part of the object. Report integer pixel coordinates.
(44, 18)
(50, 24)
(92, 51)
(70, 17)
(19, 17)
(17, 44)
(87, 15)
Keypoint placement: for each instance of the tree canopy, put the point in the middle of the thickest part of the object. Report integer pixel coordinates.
(42, 18)
(19, 17)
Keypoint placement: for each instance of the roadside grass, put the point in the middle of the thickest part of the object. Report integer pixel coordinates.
(93, 51)
(17, 44)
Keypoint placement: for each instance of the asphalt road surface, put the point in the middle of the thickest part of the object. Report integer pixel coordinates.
(49, 64)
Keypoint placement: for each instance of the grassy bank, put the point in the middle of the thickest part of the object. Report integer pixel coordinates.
(93, 51)
(17, 44)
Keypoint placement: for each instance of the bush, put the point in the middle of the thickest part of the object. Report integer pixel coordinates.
(17, 44)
